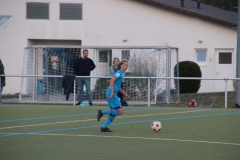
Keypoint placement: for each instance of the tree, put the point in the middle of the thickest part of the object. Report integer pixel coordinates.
(223, 4)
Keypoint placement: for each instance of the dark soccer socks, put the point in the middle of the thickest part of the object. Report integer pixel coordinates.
(105, 130)
(99, 115)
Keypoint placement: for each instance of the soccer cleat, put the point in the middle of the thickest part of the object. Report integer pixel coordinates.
(90, 104)
(105, 130)
(99, 115)
(77, 104)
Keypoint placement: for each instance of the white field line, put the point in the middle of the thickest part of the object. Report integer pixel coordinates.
(142, 138)
(86, 120)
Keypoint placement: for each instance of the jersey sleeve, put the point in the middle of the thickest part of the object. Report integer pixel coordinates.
(117, 74)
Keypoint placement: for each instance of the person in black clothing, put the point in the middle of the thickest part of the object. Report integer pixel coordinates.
(84, 66)
(2, 79)
(67, 84)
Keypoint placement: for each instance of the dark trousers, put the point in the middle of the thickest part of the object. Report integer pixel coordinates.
(120, 95)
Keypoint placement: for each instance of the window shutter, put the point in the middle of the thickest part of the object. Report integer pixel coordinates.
(37, 10)
(70, 11)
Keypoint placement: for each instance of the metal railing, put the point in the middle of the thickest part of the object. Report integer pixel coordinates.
(148, 78)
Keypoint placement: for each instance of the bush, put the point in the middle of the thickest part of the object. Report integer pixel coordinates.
(188, 69)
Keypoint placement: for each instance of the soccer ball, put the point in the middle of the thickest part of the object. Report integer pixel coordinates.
(156, 126)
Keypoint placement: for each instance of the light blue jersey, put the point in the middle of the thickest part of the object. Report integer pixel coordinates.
(115, 102)
(119, 75)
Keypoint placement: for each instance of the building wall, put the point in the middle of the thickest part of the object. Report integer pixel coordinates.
(108, 23)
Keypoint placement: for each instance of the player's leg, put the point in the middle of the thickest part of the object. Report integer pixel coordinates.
(106, 124)
(115, 112)
(112, 115)
(115, 104)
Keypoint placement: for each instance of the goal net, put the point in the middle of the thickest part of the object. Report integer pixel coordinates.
(146, 64)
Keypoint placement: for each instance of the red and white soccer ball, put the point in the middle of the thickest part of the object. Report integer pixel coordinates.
(156, 126)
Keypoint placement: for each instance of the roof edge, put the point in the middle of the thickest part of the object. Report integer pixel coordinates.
(189, 13)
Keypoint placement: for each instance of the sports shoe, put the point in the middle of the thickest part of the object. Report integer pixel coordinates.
(90, 104)
(105, 130)
(99, 115)
(77, 104)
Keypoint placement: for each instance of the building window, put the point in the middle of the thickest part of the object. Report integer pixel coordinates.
(37, 10)
(225, 58)
(103, 56)
(70, 11)
(201, 56)
(126, 54)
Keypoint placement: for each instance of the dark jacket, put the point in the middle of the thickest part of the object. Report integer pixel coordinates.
(84, 66)
(3, 83)
(67, 84)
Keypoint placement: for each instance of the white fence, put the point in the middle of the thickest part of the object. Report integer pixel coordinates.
(149, 98)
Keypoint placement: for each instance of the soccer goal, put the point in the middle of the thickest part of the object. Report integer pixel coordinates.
(44, 66)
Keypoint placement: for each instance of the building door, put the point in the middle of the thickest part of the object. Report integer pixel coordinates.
(104, 62)
(224, 69)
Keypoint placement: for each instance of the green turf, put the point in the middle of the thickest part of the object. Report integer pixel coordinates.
(69, 132)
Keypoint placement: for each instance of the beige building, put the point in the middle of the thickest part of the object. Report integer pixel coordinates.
(200, 34)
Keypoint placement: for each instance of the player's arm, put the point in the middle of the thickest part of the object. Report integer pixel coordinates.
(124, 93)
(111, 84)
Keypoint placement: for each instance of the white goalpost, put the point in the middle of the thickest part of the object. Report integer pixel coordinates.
(51, 63)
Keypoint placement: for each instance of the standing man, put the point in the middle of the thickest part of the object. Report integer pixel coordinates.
(84, 66)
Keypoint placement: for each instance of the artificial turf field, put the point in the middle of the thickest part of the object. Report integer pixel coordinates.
(66, 132)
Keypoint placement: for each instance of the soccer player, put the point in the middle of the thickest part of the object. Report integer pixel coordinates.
(112, 98)
(113, 69)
